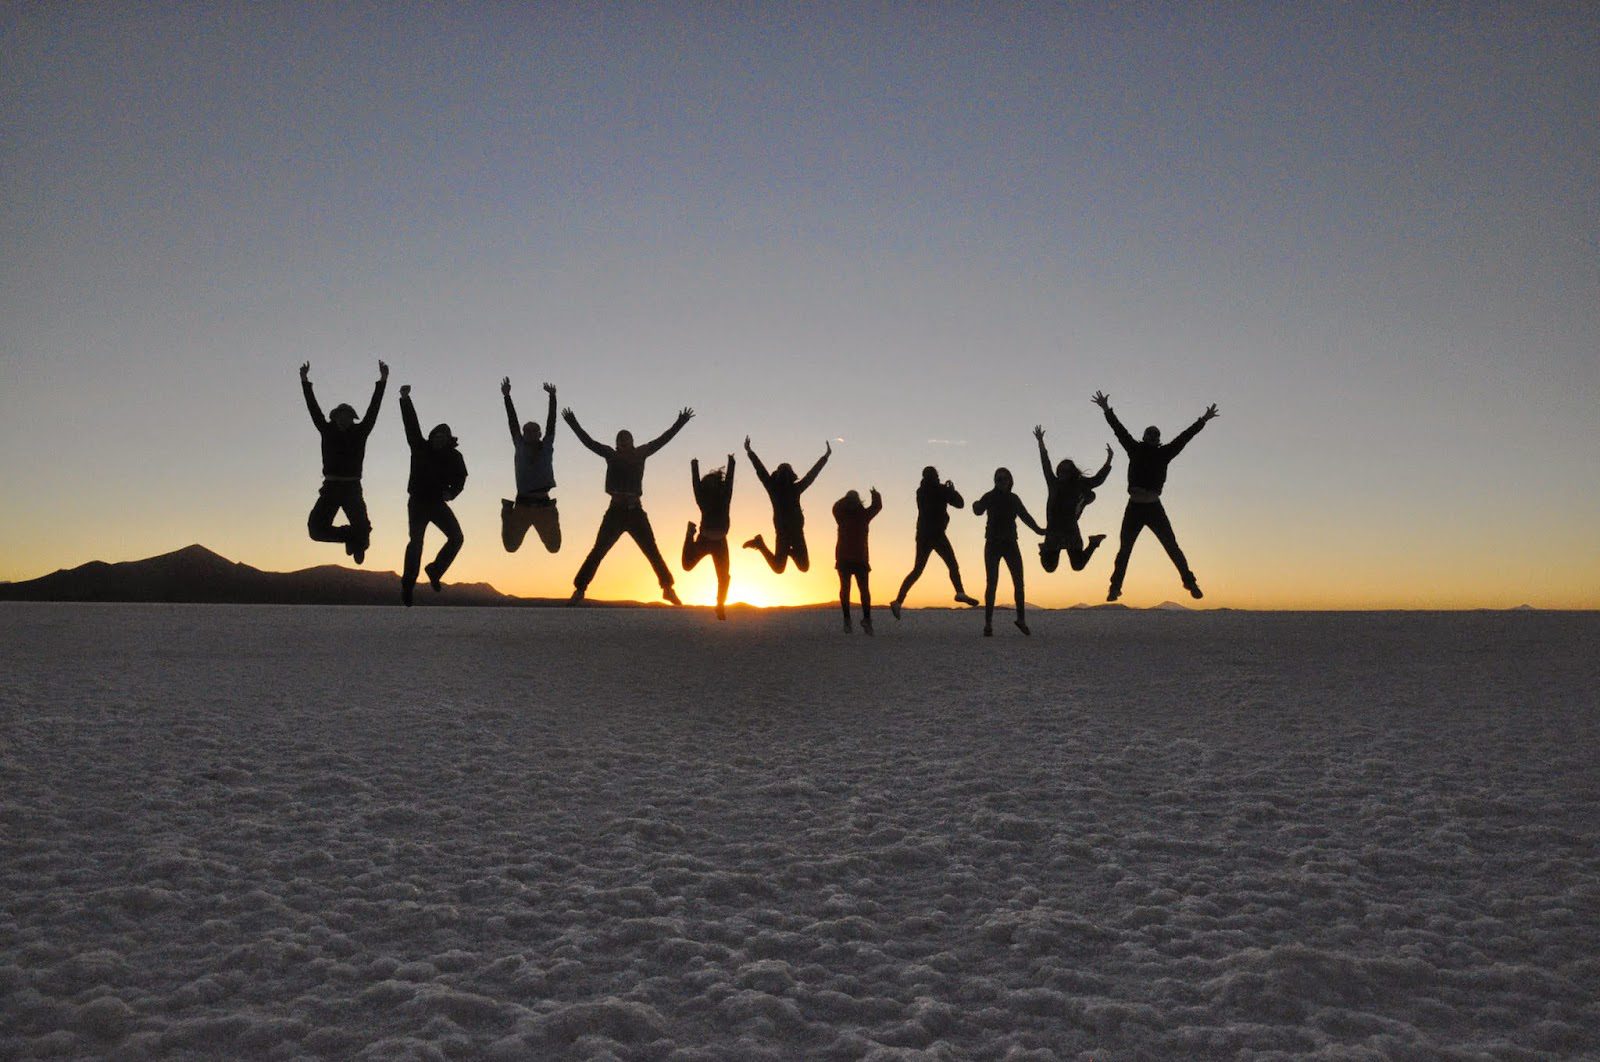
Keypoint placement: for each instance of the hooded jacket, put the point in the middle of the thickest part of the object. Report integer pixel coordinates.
(437, 475)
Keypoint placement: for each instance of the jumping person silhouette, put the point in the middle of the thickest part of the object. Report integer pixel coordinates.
(1070, 493)
(850, 554)
(1004, 509)
(438, 474)
(934, 500)
(536, 477)
(789, 523)
(1147, 474)
(713, 492)
(344, 449)
(625, 484)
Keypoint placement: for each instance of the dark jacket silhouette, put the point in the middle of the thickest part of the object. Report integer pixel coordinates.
(713, 492)
(438, 475)
(934, 502)
(788, 519)
(344, 450)
(1148, 461)
(1001, 509)
(1070, 493)
(850, 553)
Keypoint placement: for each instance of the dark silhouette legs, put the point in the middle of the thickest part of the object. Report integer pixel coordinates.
(616, 523)
(925, 548)
(717, 549)
(866, 599)
(789, 546)
(420, 515)
(1137, 517)
(357, 533)
(1072, 542)
(993, 554)
(517, 517)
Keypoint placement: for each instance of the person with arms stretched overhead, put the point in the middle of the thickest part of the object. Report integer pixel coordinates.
(934, 501)
(1147, 474)
(1070, 493)
(1003, 509)
(536, 477)
(713, 492)
(626, 515)
(789, 522)
(438, 474)
(344, 450)
(850, 554)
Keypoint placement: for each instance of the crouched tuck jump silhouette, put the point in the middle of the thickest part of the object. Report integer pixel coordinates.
(788, 521)
(1070, 493)
(536, 477)
(626, 515)
(1147, 474)
(344, 450)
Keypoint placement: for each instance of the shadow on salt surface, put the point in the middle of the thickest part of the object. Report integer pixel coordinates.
(362, 833)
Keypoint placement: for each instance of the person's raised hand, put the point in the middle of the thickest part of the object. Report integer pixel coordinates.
(747, 444)
(505, 385)
(383, 369)
(1101, 399)
(828, 452)
(305, 370)
(1210, 413)
(567, 414)
(1038, 432)
(685, 414)
(405, 390)
(549, 388)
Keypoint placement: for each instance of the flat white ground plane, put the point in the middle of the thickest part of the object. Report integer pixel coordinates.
(371, 833)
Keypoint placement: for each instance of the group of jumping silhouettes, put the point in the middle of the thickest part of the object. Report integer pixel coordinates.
(439, 473)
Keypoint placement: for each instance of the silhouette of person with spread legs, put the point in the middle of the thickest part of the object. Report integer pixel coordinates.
(344, 449)
(789, 523)
(850, 555)
(536, 477)
(1147, 474)
(1003, 509)
(1070, 493)
(625, 516)
(713, 492)
(934, 500)
(438, 474)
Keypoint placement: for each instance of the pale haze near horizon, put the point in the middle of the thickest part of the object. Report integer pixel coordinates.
(1369, 236)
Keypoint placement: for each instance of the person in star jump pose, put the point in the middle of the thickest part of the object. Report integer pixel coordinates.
(533, 461)
(788, 521)
(344, 449)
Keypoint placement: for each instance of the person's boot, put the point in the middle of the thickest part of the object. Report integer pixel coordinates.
(1193, 587)
(964, 598)
(1094, 544)
(894, 608)
(866, 625)
(434, 575)
(406, 588)
(847, 628)
(1114, 593)
(1022, 625)
(670, 595)
(722, 612)
(753, 543)
(988, 631)
(577, 597)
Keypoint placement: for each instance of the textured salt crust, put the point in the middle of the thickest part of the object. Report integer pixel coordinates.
(350, 833)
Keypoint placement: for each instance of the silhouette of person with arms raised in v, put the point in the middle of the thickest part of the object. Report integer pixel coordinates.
(934, 500)
(713, 492)
(788, 521)
(536, 477)
(625, 515)
(344, 449)
(1070, 493)
(850, 555)
(1147, 474)
(438, 474)
(1003, 509)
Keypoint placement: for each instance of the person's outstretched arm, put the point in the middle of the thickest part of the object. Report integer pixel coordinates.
(1103, 400)
(755, 462)
(577, 429)
(727, 481)
(377, 399)
(311, 397)
(877, 504)
(811, 477)
(1105, 470)
(408, 417)
(684, 416)
(1175, 447)
(1044, 456)
(511, 412)
(1026, 517)
(550, 417)
(952, 496)
(694, 477)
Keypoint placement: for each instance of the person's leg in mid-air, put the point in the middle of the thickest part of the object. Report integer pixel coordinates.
(991, 576)
(515, 519)
(354, 505)
(693, 549)
(719, 561)
(606, 537)
(947, 554)
(416, 528)
(1050, 549)
(795, 546)
(1132, 524)
(844, 598)
(924, 550)
(445, 520)
(1013, 559)
(639, 529)
(1161, 527)
(1077, 555)
(866, 599)
(777, 561)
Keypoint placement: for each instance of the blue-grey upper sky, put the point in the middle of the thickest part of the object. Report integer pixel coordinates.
(1369, 232)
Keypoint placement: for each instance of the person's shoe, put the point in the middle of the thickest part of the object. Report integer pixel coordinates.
(847, 628)
(967, 599)
(434, 574)
(1023, 627)
(576, 598)
(506, 505)
(722, 613)
(405, 593)
(1114, 593)
(349, 548)
(988, 631)
(1193, 587)
(753, 543)
(894, 609)
(358, 554)
(688, 536)
(866, 626)
(1094, 542)
(670, 595)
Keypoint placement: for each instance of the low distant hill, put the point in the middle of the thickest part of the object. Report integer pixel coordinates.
(196, 574)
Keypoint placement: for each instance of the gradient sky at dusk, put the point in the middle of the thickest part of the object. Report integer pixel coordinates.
(1370, 233)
